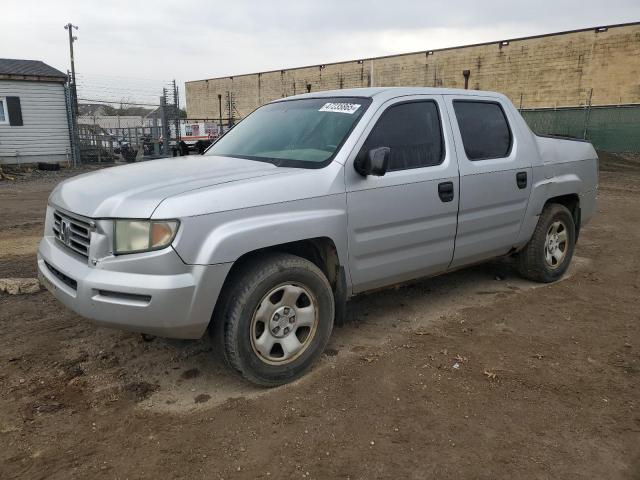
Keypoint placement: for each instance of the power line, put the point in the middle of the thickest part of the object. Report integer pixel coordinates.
(124, 77)
(124, 102)
(120, 88)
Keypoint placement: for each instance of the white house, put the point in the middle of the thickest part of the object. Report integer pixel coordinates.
(33, 113)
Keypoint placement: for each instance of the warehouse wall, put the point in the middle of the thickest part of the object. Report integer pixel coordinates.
(545, 71)
(44, 137)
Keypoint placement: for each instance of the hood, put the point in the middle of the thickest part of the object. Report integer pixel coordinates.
(135, 190)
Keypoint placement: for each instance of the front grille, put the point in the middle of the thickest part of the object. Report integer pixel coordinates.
(74, 234)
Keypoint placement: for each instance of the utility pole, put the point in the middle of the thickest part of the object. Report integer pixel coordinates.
(371, 74)
(220, 109)
(231, 106)
(587, 115)
(176, 103)
(70, 27)
(176, 98)
(166, 131)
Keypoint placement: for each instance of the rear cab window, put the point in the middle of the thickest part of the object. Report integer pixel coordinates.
(484, 129)
(412, 131)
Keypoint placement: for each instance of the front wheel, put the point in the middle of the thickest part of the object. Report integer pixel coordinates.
(550, 249)
(275, 318)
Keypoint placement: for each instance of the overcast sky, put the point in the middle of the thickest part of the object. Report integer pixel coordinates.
(130, 48)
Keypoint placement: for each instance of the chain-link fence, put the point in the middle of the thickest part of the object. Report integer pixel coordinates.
(118, 119)
(129, 144)
(124, 119)
(611, 128)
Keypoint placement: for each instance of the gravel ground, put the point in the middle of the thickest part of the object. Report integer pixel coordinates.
(474, 374)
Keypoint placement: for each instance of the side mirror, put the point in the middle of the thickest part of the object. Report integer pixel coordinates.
(375, 162)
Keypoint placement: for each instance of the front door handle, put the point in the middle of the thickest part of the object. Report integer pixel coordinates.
(521, 179)
(445, 191)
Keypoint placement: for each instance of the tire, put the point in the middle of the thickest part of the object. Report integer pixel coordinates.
(539, 260)
(274, 319)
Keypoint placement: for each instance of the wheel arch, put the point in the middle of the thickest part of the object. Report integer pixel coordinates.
(321, 251)
(562, 189)
(572, 202)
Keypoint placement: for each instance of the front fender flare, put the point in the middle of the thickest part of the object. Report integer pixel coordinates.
(224, 237)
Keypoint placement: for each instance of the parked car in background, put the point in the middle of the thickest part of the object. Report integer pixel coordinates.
(194, 135)
(306, 202)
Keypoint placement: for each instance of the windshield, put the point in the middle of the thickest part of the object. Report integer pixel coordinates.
(298, 133)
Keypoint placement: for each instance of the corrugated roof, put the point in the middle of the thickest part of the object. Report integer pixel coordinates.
(36, 68)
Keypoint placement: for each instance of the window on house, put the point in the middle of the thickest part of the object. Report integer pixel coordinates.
(10, 111)
(4, 116)
(413, 133)
(484, 129)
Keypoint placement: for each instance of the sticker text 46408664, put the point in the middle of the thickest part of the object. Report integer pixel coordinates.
(349, 108)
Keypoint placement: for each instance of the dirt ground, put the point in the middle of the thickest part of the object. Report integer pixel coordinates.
(475, 374)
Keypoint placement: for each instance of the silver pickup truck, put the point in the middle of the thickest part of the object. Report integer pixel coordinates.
(308, 201)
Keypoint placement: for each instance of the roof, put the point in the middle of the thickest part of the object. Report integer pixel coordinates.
(29, 68)
(385, 93)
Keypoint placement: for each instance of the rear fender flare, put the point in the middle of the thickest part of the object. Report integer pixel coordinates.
(541, 192)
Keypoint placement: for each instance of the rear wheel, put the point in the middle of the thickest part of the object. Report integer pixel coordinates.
(275, 318)
(548, 254)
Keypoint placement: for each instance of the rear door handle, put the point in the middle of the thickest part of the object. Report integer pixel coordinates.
(521, 179)
(445, 191)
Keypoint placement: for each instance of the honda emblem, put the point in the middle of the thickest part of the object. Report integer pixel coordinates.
(65, 232)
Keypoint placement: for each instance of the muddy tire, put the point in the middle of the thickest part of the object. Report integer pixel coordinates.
(548, 254)
(274, 318)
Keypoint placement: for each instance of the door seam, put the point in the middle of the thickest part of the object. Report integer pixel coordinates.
(455, 149)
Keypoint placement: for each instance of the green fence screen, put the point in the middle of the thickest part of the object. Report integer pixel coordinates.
(612, 128)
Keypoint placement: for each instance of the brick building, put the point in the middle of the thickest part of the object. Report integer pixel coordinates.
(553, 70)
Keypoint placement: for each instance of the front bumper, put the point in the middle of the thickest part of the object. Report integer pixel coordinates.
(168, 299)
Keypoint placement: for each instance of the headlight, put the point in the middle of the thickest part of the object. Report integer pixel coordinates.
(131, 236)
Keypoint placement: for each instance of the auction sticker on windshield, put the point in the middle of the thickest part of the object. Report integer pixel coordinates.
(349, 108)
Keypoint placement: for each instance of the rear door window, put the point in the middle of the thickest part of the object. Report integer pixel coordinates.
(412, 131)
(484, 129)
